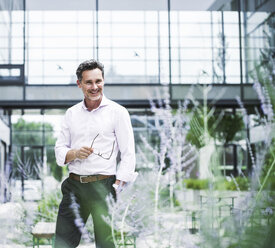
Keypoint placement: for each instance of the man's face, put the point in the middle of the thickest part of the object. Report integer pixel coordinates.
(92, 84)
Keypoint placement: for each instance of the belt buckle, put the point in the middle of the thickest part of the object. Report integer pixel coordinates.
(80, 179)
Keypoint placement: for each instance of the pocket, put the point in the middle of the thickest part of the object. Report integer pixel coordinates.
(110, 181)
(111, 189)
(64, 186)
(65, 208)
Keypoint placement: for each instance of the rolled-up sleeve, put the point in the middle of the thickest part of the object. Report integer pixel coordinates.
(62, 145)
(125, 139)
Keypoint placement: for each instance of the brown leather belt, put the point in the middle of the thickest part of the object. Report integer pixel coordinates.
(88, 179)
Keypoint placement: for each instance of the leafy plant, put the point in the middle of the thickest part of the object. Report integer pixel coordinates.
(229, 125)
(48, 207)
(191, 183)
(30, 134)
(239, 183)
(221, 126)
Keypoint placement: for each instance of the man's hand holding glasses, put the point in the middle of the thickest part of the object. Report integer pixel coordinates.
(84, 152)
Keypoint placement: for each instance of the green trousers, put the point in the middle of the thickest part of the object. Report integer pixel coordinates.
(78, 202)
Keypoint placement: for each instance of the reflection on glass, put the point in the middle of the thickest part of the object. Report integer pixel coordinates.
(133, 45)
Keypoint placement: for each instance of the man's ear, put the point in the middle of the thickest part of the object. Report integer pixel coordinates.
(78, 83)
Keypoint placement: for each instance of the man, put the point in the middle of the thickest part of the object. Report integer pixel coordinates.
(92, 133)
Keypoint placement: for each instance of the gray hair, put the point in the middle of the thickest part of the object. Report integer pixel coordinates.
(89, 65)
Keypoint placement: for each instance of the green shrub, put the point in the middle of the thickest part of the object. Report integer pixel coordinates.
(192, 183)
(269, 161)
(270, 184)
(164, 198)
(242, 183)
(223, 184)
(48, 207)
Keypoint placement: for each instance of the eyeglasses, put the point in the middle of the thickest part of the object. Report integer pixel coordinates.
(97, 152)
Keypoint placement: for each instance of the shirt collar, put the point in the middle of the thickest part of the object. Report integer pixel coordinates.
(104, 102)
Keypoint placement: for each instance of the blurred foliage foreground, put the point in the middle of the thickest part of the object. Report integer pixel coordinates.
(161, 211)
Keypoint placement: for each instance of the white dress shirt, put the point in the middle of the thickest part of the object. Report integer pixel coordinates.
(111, 123)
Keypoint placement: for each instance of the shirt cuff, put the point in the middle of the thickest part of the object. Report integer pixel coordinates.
(129, 177)
(61, 156)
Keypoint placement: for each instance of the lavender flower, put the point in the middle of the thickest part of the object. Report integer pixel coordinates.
(78, 220)
(266, 105)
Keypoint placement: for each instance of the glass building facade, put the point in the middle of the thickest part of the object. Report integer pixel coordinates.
(156, 44)
(142, 46)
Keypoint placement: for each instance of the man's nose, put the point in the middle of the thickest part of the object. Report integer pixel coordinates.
(93, 86)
